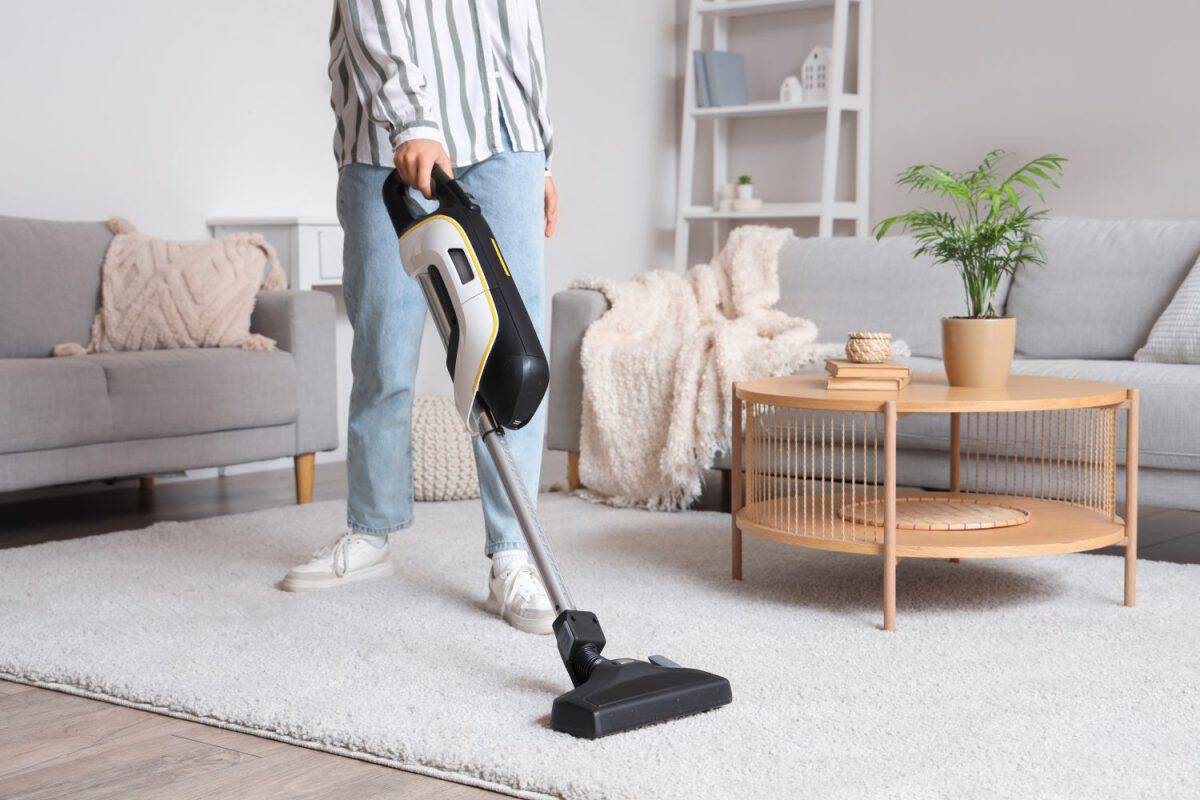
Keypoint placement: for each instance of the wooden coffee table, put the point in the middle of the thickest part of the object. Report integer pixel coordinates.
(1032, 469)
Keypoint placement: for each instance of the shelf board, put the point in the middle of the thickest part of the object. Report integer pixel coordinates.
(1053, 527)
(775, 211)
(760, 109)
(739, 8)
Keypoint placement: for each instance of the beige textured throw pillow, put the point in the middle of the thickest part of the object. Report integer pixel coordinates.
(1175, 337)
(160, 295)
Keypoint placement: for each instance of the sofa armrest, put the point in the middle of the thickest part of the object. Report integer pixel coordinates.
(302, 323)
(572, 311)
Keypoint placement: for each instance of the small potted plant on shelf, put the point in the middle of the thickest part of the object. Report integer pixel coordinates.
(985, 235)
(746, 201)
(745, 187)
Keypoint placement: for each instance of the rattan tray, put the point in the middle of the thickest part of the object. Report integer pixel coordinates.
(938, 513)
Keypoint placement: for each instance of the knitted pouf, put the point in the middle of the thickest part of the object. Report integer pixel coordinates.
(443, 460)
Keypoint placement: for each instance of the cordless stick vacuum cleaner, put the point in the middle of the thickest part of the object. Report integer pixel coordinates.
(500, 376)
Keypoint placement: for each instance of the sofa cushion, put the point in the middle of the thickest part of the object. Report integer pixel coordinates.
(1169, 437)
(1103, 286)
(848, 284)
(49, 283)
(177, 392)
(52, 402)
(1175, 337)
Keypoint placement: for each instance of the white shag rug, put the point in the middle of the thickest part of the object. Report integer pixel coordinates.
(1007, 678)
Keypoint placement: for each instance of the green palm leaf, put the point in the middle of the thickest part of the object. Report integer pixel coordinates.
(988, 233)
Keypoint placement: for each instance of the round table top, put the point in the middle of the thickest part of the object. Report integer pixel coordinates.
(929, 393)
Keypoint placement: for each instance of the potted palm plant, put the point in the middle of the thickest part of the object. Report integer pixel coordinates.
(985, 235)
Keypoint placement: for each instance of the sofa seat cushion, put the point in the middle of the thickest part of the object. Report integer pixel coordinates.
(1170, 439)
(161, 393)
(52, 402)
(1104, 284)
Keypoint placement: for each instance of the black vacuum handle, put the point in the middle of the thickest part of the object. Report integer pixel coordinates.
(449, 193)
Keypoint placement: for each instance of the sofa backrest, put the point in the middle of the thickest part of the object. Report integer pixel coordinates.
(1104, 284)
(849, 284)
(49, 283)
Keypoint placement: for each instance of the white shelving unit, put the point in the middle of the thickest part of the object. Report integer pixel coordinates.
(825, 208)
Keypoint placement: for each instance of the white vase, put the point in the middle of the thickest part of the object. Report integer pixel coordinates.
(745, 191)
(724, 197)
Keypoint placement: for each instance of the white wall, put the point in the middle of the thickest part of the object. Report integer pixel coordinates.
(1110, 85)
(164, 112)
(168, 113)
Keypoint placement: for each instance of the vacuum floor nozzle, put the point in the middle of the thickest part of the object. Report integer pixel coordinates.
(622, 694)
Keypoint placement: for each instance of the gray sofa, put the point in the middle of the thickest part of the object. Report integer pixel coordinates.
(1083, 315)
(64, 420)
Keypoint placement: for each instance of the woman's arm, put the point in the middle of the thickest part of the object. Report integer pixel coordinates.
(381, 52)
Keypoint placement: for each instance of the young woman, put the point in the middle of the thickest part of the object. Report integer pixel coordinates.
(461, 84)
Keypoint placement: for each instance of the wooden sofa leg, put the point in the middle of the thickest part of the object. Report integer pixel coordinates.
(305, 463)
(573, 471)
(146, 483)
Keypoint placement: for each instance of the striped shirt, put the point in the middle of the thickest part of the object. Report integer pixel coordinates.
(437, 69)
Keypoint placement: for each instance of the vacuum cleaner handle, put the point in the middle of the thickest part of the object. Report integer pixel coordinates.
(450, 192)
(405, 212)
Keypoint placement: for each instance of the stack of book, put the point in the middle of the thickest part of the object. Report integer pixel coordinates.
(854, 377)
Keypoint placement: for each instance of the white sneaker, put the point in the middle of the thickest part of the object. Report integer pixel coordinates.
(520, 599)
(348, 558)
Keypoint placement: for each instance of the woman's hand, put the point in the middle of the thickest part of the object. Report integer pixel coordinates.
(551, 207)
(414, 161)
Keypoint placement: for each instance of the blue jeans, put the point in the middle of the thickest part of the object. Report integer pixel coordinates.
(387, 310)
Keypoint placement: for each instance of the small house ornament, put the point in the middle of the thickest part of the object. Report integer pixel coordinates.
(790, 91)
(815, 74)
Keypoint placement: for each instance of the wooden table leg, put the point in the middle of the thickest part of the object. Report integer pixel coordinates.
(955, 446)
(955, 458)
(889, 518)
(735, 499)
(1131, 497)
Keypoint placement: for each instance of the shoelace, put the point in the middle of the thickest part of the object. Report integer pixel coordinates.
(339, 552)
(515, 587)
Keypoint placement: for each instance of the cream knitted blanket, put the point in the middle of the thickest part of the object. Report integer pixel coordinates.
(159, 295)
(659, 365)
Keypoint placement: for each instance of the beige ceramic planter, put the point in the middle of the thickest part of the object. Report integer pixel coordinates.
(978, 352)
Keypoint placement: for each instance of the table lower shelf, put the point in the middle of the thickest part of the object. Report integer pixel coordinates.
(1053, 527)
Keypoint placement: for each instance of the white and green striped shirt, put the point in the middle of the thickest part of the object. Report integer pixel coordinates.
(415, 69)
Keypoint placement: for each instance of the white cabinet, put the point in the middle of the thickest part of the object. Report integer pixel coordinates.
(309, 248)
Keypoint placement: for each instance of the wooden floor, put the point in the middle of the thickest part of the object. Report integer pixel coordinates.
(54, 745)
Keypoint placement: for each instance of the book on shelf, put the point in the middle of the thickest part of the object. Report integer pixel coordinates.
(720, 78)
(835, 382)
(842, 368)
(703, 100)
